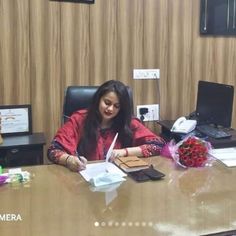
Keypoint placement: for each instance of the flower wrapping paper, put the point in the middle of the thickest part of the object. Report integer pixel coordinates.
(189, 152)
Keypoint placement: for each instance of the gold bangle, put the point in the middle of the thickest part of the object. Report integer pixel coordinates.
(67, 159)
(126, 152)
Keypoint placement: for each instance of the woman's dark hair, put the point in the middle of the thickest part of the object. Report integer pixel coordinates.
(120, 124)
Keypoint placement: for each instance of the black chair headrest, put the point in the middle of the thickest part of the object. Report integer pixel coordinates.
(80, 97)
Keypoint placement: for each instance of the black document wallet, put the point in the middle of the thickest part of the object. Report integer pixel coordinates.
(146, 174)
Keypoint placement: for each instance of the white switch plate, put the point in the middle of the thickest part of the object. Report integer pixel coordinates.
(146, 73)
(153, 112)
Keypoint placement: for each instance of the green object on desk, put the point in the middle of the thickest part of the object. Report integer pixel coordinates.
(0, 170)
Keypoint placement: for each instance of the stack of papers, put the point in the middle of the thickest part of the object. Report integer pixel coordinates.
(226, 155)
(102, 173)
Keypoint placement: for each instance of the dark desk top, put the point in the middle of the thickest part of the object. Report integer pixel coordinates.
(23, 140)
(216, 143)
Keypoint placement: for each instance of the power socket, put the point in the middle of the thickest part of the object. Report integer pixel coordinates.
(151, 115)
(146, 73)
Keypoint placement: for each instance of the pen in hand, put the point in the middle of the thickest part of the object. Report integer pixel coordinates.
(82, 163)
(76, 163)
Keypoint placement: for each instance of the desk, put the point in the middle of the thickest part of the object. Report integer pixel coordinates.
(216, 143)
(59, 202)
(22, 150)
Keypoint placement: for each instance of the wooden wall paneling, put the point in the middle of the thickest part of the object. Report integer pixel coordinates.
(136, 35)
(124, 43)
(223, 59)
(220, 57)
(231, 72)
(231, 61)
(52, 87)
(174, 58)
(39, 43)
(130, 44)
(45, 66)
(198, 60)
(179, 57)
(48, 45)
(151, 37)
(103, 38)
(69, 46)
(98, 42)
(186, 61)
(4, 53)
(14, 52)
(6, 25)
(207, 57)
(75, 44)
(155, 50)
(151, 46)
(22, 76)
(111, 41)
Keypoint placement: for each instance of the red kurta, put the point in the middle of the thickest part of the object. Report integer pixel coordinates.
(69, 136)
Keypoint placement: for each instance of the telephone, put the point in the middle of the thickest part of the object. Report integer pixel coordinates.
(182, 125)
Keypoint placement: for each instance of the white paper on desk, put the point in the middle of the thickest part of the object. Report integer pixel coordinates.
(109, 152)
(225, 155)
(94, 169)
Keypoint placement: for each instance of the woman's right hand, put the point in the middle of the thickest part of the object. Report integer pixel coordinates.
(76, 164)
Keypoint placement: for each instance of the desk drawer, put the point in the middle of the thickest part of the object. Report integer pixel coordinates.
(21, 156)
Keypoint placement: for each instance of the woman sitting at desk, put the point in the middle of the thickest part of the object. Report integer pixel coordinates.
(89, 133)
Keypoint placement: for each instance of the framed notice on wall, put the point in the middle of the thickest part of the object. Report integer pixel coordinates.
(15, 120)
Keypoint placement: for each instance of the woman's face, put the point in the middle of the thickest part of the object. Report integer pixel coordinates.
(109, 106)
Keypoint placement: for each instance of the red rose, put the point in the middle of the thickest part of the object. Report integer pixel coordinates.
(192, 152)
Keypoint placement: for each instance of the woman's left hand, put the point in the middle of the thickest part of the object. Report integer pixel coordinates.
(117, 153)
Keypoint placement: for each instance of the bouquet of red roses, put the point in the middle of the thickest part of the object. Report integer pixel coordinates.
(190, 152)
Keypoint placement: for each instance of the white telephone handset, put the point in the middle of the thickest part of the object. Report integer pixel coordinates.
(182, 125)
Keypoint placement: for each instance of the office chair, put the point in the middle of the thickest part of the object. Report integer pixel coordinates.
(80, 97)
